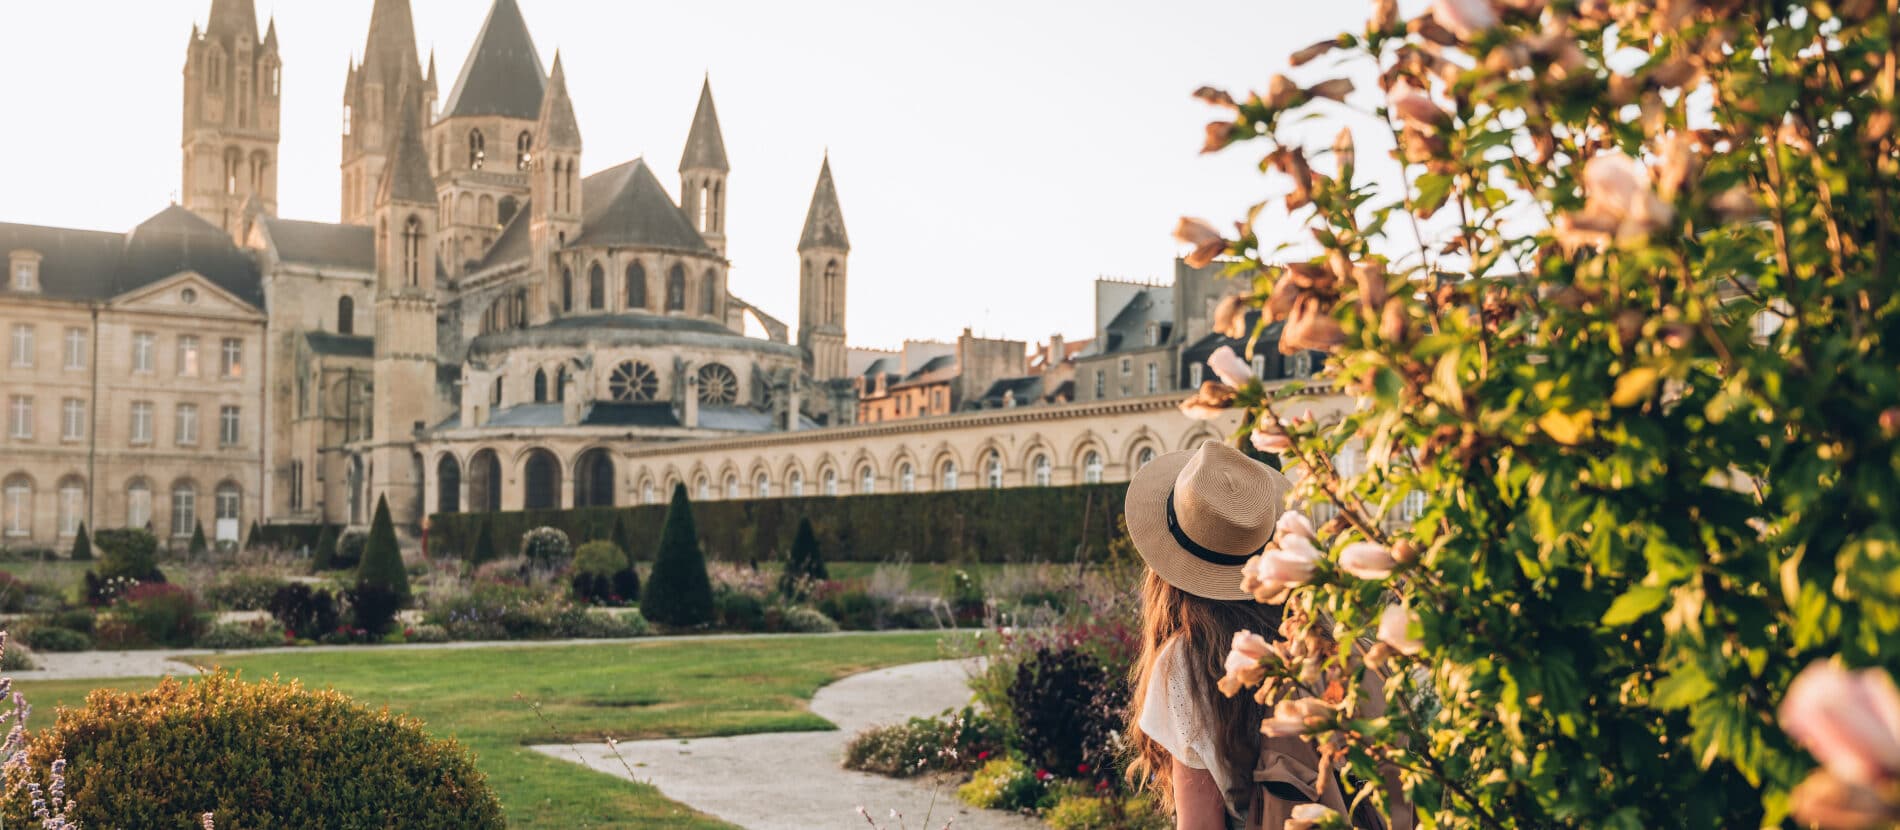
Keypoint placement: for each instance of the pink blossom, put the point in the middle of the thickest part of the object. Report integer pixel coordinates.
(1849, 721)
(1413, 105)
(1826, 801)
(1367, 560)
(1231, 368)
(1464, 18)
(1274, 442)
(1394, 629)
(1294, 717)
(1207, 242)
(1294, 524)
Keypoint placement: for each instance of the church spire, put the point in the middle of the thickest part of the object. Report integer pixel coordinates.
(555, 126)
(407, 179)
(824, 221)
(502, 74)
(230, 18)
(389, 55)
(270, 34)
(705, 146)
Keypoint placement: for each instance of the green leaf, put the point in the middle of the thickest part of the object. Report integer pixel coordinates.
(1433, 189)
(1633, 604)
(1681, 689)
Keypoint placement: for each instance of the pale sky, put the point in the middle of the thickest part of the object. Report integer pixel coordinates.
(992, 158)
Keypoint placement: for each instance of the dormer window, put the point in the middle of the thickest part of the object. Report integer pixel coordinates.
(23, 271)
(1154, 334)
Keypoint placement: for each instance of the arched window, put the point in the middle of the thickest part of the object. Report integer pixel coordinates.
(494, 395)
(732, 486)
(646, 491)
(907, 478)
(594, 479)
(476, 149)
(709, 293)
(831, 482)
(1142, 458)
(832, 300)
(448, 485)
(993, 471)
(567, 289)
(412, 251)
(523, 143)
(949, 475)
(596, 287)
(540, 386)
(228, 509)
(184, 508)
(867, 481)
(1041, 468)
(72, 505)
(701, 489)
(138, 504)
(705, 208)
(345, 315)
(542, 480)
(560, 383)
(713, 221)
(636, 289)
(762, 487)
(1092, 467)
(795, 484)
(18, 507)
(676, 288)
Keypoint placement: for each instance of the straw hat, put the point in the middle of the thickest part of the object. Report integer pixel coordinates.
(1197, 516)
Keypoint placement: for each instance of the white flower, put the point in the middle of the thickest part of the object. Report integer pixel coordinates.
(1394, 627)
(1294, 524)
(1367, 560)
(1232, 370)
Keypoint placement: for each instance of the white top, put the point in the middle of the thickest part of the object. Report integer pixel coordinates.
(1172, 717)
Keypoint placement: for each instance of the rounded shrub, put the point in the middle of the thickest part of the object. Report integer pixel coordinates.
(264, 754)
(546, 547)
(806, 620)
(52, 638)
(349, 550)
(600, 571)
(128, 553)
(599, 559)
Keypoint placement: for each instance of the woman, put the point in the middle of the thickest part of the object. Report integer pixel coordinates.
(1197, 517)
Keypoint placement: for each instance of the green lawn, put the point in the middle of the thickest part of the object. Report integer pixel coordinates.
(627, 690)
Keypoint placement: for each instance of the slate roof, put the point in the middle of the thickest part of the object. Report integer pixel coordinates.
(705, 146)
(390, 53)
(881, 366)
(527, 415)
(99, 265)
(556, 127)
(625, 414)
(625, 205)
(1027, 389)
(636, 320)
(1129, 328)
(503, 74)
(824, 221)
(734, 418)
(516, 241)
(941, 367)
(339, 345)
(323, 243)
(406, 178)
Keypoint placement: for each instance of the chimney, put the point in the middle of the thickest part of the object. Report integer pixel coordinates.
(1057, 354)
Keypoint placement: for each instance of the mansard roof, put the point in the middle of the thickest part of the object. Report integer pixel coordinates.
(503, 74)
(99, 265)
(626, 205)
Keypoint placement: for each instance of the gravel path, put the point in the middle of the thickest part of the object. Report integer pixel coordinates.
(794, 780)
(159, 662)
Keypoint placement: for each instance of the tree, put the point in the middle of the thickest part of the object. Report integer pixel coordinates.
(325, 556)
(1623, 318)
(678, 592)
(484, 542)
(82, 545)
(382, 557)
(807, 562)
(198, 548)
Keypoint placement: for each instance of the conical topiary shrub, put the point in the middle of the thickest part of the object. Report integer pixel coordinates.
(678, 593)
(382, 557)
(807, 563)
(82, 545)
(324, 558)
(253, 540)
(198, 547)
(484, 543)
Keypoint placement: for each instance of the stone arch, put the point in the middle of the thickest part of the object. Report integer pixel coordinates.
(826, 464)
(729, 484)
(593, 477)
(1194, 435)
(946, 456)
(1036, 444)
(1079, 455)
(897, 463)
(485, 211)
(448, 483)
(540, 479)
(646, 489)
(671, 480)
(699, 482)
(1143, 439)
(791, 473)
(863, 463)
(484, 480)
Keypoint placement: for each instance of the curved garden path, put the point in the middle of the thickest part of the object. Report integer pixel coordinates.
(794, 780)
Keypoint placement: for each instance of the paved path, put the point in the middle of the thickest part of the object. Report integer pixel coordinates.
(793, 780)
(160, 662)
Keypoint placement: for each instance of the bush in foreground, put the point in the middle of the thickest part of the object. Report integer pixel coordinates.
(263, 754)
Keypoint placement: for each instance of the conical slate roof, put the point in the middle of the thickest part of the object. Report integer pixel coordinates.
(705, 147)
(555, 127)
(824, 222)
(407, 179)
(390, 53)
(625, 205)
(503, 74)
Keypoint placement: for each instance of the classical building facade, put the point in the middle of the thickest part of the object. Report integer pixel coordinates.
(488, 328)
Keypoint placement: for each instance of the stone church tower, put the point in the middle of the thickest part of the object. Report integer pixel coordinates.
(703, 171)
(483, 139)
(554, 184)
(406, 349)
(822, 251)
(374, 94)
(232, 88)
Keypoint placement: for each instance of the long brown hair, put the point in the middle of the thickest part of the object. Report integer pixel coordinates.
(1204, 628)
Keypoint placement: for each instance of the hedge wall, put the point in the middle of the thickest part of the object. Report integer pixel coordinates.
(1009, 525)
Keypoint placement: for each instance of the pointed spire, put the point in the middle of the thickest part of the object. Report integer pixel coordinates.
(705, 146)
(389, 55)
(824, 222)
(555, 128)
(406, 179)
(230, 18)
(428, 80)
(270, 34)
(502, 74)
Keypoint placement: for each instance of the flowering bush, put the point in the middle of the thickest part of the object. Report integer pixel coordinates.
(1094, 812)
(238, 635)
(1623, 318)
(954, 740)
(303, 611)
(156, 614)
(1068, 710)
(244, 591)
(546, 547)
(1005, 783)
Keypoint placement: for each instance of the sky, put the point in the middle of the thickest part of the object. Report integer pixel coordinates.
(992, 158)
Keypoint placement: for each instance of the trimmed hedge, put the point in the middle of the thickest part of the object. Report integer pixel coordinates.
(1019, 524)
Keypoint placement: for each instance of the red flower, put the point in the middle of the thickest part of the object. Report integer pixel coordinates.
(1082, 768)
(1101, 785)
(1043, 775)
(983, 756)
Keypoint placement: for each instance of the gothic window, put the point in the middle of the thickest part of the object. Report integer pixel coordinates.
(906, 478)
(795, 484)
(831, 482)
(448, 485)
(762, 487)
(708, 293)
(993, 471)
(540, 386)
(560, 383)
(543, 481)
(676, 289)
(1092, 468)
(596, 287)
(718, 385)
(494, 394)
(233, 159)
(633, 381)
(950, 474)
(567, 191)
(1041, 466)
(1142, 458)
(713, 220)
(636, 291)
(705, 208)
(732, 486)
(345, 315)
(523, 143)
(412, 251)
(476, 151)
(867, 480)
(831, 292)
(567, 289)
